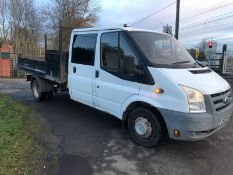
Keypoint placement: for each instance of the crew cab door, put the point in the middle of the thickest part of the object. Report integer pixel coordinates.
(81, 67)
(113, 85)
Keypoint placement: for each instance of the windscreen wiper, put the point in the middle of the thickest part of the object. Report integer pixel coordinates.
(204, 64)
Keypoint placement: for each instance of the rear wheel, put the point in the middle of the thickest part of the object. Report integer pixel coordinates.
(38, 96)
(48, 95)
(144, 127)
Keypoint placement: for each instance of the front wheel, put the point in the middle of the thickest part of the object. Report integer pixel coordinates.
(144, 127)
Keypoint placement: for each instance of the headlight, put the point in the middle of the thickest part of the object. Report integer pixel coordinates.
(196, 100)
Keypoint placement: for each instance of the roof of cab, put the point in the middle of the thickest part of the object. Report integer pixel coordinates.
(96, 29)
(113, 28)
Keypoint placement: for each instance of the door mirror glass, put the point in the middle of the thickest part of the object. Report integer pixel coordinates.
(128, 66)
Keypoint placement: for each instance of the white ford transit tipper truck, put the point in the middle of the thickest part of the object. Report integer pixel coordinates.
(146, 79)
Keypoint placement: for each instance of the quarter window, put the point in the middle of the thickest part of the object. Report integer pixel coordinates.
(83, 50)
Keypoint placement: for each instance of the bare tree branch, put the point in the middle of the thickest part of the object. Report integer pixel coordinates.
(25, 25)
(73, 14)
(4, 17)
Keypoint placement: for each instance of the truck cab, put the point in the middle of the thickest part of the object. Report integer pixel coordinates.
(147, 80)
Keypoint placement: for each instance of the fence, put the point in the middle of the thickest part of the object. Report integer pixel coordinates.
(215, 62)
(55, 41)
(38, 54)
(15, 72)
(221, 66)
(228, 64)
(8, 66)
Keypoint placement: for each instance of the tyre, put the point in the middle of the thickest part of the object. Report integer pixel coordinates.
(38, 96)
(48, 95)
(144, 127)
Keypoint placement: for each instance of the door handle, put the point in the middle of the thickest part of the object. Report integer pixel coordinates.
(97, 74)
(74, 69)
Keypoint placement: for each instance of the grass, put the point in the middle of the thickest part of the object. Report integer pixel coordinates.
(20, 152)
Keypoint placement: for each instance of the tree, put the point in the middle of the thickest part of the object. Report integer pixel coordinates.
(201, 47)
(24, 24)
(201, 56)
(21, 22)
(4, 18)
(70, 14)
(192, 52)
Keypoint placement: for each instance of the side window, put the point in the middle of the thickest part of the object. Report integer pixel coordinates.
(119, 57)
(128, 56)
(83, 50)
(110, 52)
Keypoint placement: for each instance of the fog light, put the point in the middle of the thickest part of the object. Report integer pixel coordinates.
(176, 132)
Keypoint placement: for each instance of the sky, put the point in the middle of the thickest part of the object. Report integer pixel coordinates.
(199, 19)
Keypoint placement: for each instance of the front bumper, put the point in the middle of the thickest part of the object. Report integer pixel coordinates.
(196, 126)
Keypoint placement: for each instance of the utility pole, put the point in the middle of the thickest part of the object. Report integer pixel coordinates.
(60, 37)
(223, 61)
(45, 42)
(177, 19)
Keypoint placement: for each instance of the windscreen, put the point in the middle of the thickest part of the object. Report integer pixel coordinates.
(161, 49)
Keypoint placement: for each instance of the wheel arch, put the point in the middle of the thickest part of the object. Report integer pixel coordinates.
(45, 85)
(33, 78)
(138, 104)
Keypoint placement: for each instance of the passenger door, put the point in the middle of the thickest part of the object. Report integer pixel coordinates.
(81, 68)
(113, 85)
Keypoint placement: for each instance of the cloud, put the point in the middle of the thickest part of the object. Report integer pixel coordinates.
(119, 12)
(116, 13)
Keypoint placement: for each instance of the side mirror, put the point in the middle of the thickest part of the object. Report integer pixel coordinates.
(128, 65)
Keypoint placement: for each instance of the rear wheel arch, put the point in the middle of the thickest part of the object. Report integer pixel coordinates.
(45, 85)
(42, 89)
(35, 86)
(32, 79)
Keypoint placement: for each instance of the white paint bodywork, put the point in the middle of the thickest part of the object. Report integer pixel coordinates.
(113, 95)
(209, 83)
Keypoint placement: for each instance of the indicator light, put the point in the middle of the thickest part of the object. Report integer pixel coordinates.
(159, 91)
(176, 132)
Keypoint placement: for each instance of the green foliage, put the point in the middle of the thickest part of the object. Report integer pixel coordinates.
(201, 56)
(19, 151)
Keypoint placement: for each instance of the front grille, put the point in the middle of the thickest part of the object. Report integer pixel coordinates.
(222, 100)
